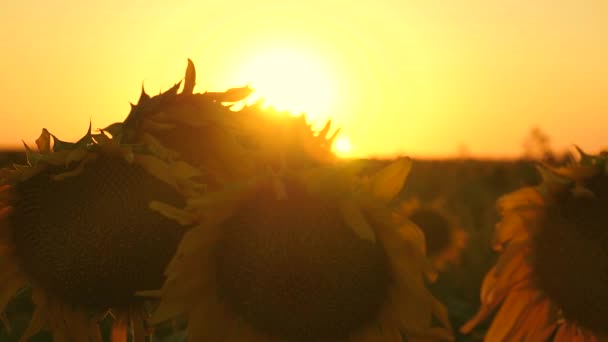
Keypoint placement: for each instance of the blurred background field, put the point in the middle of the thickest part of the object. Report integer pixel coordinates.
(469, 188)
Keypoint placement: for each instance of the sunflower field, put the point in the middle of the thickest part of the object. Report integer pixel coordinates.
(190, 221)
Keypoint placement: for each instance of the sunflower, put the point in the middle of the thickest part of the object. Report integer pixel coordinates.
(445, 239)
(85, 225)
(226, 144)
(551, 279)
(305, 255)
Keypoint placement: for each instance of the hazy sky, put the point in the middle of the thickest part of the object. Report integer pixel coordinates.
(422, 77)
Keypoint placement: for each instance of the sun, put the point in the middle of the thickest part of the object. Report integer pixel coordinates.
(342, 146)
(291, 79)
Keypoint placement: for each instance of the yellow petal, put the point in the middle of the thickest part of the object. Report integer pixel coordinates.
(514, 306)
(528, 197)
(181, 216)
(535, 325)
(388, 182)
(157, 168)
(353, 217)
(512, 226)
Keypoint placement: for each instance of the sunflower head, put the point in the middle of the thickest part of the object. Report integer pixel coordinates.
(87, 224)
(226, 144)
(302, 256)
(570, 243)
(552, 275)
(444, 238)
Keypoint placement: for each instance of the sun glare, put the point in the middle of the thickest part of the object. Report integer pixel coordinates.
(292, 80)
(342, 146)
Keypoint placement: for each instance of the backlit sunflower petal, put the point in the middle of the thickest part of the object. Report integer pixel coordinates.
(511, 227)
(553, 182)
(157, 148)
(181, 216)
(414, 235)
(514, 250)
(515, 274)
(496, 287)
(353, 217)
(514, 306)
(388, 182)
(578, 173)
(536, 323)
(194, 242)
(528, 197)
(571, 333)
(157, 168)
(441, 313)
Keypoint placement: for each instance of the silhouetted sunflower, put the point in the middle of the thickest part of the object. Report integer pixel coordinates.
(308, 255)
(445, 239)
(204, 130)
(551, 279)
(86, 225)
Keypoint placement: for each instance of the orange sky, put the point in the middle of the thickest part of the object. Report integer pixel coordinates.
(422, 78)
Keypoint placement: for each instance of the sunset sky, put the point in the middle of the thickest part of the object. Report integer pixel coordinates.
(424, 78)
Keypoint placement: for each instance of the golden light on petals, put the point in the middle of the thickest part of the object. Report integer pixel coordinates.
(551, 276)
(445, 240)
(77, 227)
(278, 260)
